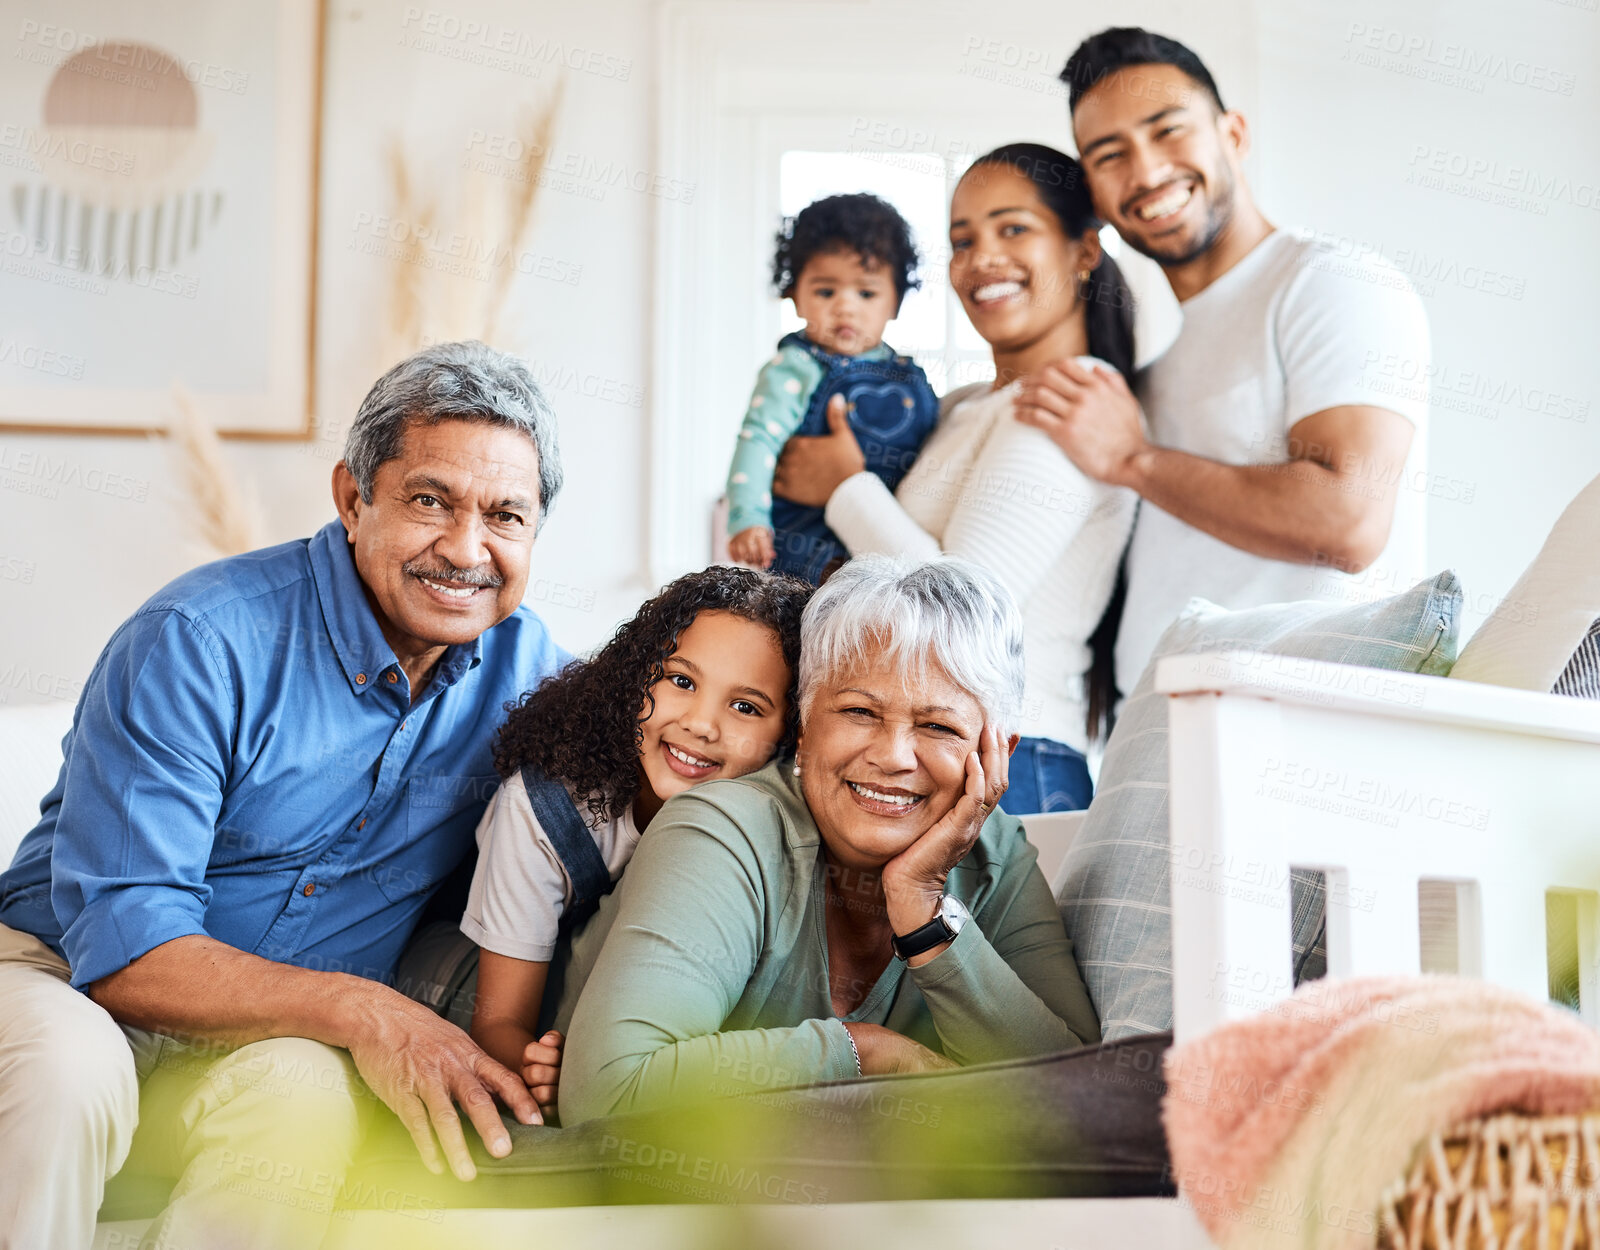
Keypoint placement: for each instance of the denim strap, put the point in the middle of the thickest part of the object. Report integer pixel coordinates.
(558, 817)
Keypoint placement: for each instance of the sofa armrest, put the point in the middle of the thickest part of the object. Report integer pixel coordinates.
(1382, 781)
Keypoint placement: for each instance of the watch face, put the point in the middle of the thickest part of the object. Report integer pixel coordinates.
(954, 913)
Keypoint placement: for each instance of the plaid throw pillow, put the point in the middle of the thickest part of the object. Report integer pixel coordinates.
(1114, 887)
(1581, 678)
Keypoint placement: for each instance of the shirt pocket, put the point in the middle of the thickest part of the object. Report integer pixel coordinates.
(441, 813)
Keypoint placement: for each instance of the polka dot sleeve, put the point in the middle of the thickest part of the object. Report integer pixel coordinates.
(777, 405)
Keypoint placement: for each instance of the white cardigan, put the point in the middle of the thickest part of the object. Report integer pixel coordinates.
(1001, 494)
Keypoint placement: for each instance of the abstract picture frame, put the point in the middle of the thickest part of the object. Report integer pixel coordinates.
(158, 223)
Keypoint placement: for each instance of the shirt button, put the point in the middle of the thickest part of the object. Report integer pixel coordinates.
(393, 677)
(310, 889)
(361, 679)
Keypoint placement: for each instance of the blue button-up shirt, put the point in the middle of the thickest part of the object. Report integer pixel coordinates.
(246, 763)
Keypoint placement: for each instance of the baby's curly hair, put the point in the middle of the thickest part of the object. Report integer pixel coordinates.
(860, 223)
(582, 726)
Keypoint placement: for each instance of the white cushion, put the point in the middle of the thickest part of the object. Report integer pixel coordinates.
(1051, 834)
(1530, 636)
(30, 761)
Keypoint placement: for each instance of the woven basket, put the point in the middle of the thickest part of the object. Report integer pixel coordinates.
(1511, 1182)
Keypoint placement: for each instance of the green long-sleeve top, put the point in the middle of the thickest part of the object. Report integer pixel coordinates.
(714, 979)
(778, 404)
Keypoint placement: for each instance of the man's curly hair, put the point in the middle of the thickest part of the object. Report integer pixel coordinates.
(861, 223)
(583, 726)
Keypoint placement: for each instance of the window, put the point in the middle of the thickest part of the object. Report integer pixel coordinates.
(931, 327)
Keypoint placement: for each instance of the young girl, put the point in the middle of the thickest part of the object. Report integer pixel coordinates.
(847, 262)
(698, 685)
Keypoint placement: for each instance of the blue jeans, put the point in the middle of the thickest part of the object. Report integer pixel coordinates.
(1047, 776)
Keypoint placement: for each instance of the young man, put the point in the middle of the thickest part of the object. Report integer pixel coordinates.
(274, 764)
(1277, 466)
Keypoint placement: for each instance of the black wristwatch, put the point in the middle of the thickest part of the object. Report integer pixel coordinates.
(946, 923)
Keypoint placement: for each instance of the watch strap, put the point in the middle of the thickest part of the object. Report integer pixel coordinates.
(925, 938)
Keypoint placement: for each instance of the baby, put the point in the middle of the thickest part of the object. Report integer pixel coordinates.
(847, 262)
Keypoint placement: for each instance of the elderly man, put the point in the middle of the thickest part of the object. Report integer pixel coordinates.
(275, 762)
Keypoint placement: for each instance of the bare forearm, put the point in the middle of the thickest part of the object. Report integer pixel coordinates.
(1299, 511)
(197, 986)
(504, 1040)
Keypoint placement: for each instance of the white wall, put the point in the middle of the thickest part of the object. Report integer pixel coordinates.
(73, 566)
(1336, 143)
(1365, 108)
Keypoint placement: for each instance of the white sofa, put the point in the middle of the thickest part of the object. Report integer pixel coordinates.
(1381, 780)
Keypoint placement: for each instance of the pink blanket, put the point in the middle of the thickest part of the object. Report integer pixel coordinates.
(1287, 1127)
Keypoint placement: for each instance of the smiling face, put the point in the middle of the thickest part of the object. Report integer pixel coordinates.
(719, 708)
(845, 303)
(880, 763)
(445, 544)
(1163, 163)
(1011, 261)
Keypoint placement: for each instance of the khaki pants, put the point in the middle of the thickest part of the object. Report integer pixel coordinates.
(257, 1139)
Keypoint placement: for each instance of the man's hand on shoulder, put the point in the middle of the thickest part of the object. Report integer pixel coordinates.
(422, 1067)
(1090, 414)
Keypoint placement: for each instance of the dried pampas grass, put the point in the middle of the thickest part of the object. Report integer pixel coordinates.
(225, 515)
(438, 294)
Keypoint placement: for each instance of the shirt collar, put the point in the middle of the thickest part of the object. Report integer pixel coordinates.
(364, 653)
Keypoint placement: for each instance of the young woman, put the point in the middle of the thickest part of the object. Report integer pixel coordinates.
(1027, 265)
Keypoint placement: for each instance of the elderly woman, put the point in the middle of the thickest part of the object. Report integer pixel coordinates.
(861, 909)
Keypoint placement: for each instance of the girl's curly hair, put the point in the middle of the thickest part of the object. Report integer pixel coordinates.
(860, 223)
(583, 726)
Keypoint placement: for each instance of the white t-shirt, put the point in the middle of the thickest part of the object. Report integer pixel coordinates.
(1002, 495)
(521, 888)
(1294, 328)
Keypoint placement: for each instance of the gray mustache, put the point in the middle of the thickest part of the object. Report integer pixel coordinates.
(462, 577)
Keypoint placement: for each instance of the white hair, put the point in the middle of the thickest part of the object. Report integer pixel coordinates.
(945, 611)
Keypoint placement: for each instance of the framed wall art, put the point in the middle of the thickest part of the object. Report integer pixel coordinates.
(158, 179)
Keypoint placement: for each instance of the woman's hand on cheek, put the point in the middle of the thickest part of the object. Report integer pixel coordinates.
(914, 879)
(810, 469)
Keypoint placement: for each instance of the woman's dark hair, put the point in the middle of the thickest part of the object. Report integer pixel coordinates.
(862, 223)
(583, 725)
(1118, 47)
(1108, 321)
